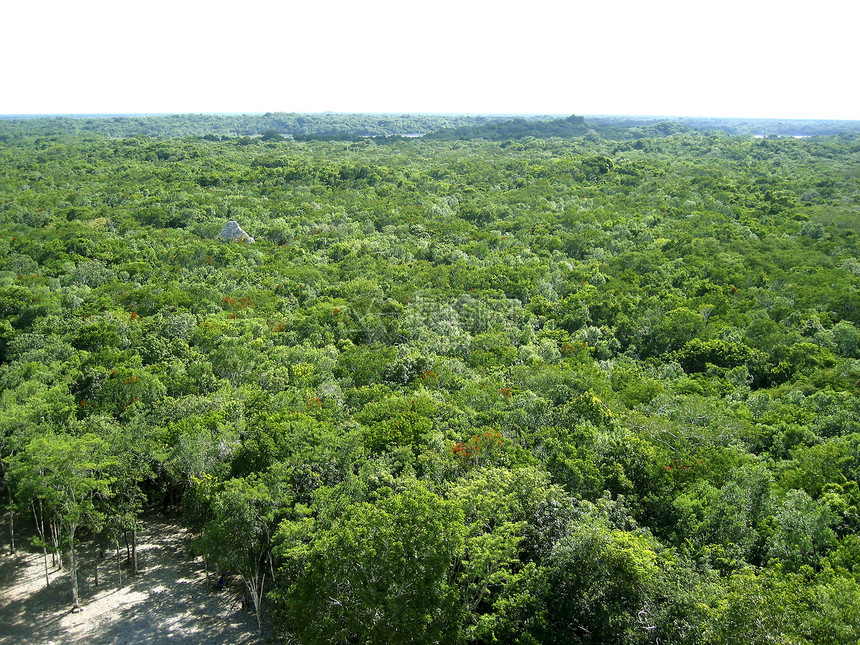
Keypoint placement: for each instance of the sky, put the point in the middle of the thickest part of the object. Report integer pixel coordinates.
(733, 58)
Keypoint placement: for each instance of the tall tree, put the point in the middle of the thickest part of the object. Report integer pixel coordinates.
(67, 474)
(239, 535)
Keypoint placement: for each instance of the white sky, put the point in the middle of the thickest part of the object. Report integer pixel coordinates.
(742, 58)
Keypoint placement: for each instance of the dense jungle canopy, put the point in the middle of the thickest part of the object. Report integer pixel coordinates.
(518, 381)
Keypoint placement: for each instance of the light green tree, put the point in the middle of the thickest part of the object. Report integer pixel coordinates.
(67, 474)
(803, 534)
(239, 535)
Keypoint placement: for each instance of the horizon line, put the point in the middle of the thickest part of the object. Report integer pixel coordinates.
(97, 115)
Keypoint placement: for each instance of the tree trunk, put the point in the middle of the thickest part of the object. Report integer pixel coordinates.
(55, 538)
(39, 519)
(134, 550)
(11, 511)
(96, 560)
(11, 528)
(45, 552)
(73, 568)
(118, 564)
(256, 590)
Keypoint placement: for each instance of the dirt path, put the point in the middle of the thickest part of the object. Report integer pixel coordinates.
(167, 602)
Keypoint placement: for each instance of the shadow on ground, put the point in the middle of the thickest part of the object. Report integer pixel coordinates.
(168, 602)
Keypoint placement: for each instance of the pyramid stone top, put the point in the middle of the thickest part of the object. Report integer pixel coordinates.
(232, 231)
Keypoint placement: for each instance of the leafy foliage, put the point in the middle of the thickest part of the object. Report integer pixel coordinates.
(531, 381)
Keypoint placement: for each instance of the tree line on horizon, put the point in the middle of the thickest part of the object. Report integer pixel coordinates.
(336, 126)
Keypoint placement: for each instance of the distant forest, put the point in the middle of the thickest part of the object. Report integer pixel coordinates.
(344, 126)
(557, 380)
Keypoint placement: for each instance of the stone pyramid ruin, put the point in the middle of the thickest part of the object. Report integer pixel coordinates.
(232, 231)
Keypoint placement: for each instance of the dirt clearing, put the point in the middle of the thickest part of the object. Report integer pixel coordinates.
(167, 602)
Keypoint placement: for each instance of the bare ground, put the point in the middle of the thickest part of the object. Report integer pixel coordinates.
(167, 602)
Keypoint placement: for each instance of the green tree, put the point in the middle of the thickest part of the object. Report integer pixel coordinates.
(68, 474)
(382, 573)
(513, 517)
(239, 535)
(600, 582)
(803, 534)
